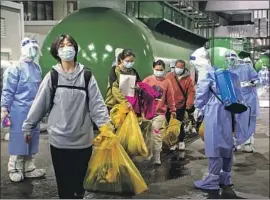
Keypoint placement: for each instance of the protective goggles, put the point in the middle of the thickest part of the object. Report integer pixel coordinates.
(29, 41)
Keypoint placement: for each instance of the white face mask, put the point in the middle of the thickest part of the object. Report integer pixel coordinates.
(178, 71)
(159, 73)
(128, 65)
(66, 53)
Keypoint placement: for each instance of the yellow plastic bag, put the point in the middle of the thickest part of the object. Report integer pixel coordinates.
(130, 136)
(146, 128)
(118, 114)
(201, 131)
(170, 136)
(110, 170)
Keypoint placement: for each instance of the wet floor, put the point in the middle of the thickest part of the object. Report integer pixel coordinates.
(173, 179)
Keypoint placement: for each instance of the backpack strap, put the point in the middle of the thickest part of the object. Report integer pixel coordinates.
(181, 89)
(54, 80)
(211, 90)
(87, 76)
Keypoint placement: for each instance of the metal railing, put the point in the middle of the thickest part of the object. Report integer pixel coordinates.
(178, 12)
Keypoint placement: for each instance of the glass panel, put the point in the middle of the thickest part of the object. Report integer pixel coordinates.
(3, 28)
(151, 9)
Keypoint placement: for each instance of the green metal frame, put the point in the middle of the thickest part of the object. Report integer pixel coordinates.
(175, 15)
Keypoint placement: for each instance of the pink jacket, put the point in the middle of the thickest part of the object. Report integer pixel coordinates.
(144, 102)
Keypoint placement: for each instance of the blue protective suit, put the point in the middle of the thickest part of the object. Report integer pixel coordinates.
(245, 74)
(218, 136)
(264, 77)
(20, 86)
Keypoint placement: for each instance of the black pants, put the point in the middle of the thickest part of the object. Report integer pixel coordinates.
(70, 166)
(180, 115)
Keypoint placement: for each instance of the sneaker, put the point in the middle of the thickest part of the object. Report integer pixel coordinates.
(193, 130)
(36, 173)
(181, 146)
(173, 148)
(16, 176)
(157, 160)
(238, 148)
(248, 148)
(7, 137)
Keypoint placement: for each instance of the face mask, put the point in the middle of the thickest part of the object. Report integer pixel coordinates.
(33, 52)
(231, 62)
(159, 73)
(66, 53)
(178, 71)
(128, 65)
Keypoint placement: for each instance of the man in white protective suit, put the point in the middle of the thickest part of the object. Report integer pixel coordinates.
(201, 61)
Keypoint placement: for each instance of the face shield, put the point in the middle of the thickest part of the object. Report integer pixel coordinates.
(200, 60)
(231, 58)
(248, 61)
(29, 49)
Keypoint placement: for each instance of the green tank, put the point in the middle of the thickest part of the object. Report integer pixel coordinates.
(263, 61)
(101, 31)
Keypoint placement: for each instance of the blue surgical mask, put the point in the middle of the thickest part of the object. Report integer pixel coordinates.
(179, 71)
(159, 73)
(128, 65)
(66, 53)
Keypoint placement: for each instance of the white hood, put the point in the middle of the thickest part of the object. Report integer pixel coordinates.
(200, 60)
(28, 46)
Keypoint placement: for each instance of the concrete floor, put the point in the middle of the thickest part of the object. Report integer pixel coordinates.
(173, 179)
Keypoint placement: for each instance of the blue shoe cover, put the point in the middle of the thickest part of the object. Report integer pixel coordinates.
(211, 182)
(225, 178)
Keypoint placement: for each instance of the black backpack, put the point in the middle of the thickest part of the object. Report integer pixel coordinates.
(54, 79)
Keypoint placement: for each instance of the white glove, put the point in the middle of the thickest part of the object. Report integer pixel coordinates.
(4, 113)
(197, 114)
(249, 84)
(245, 84)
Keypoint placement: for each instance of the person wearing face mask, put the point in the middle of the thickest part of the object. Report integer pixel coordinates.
(264, 76)
(184, 93)
(72, 97)
(248, 79)
(20, 86)
(166, 99)
(123, 69)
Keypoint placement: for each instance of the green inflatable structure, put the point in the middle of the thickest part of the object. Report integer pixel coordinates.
(263, 61)
(102, 32)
